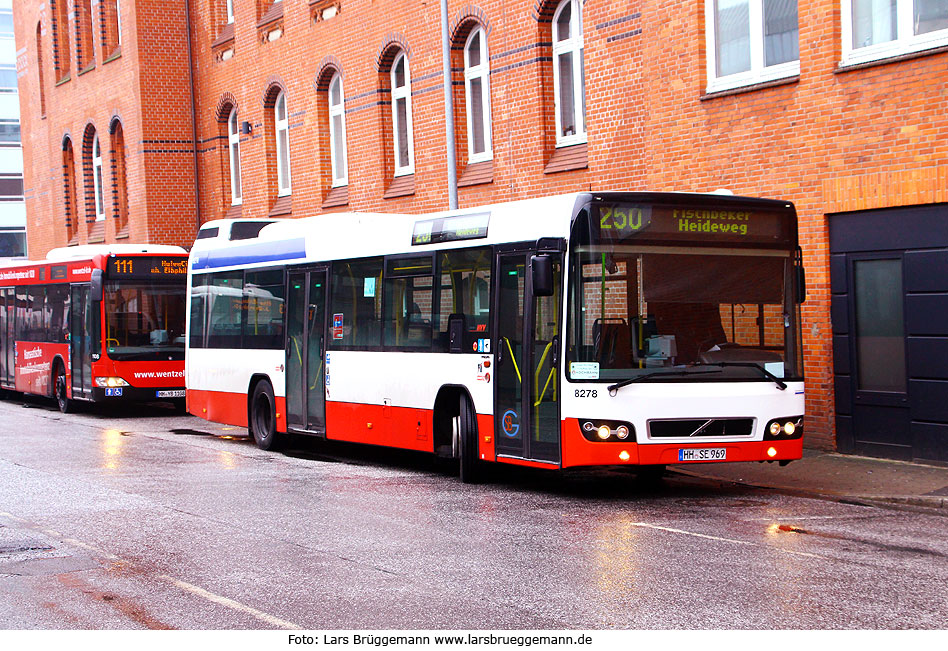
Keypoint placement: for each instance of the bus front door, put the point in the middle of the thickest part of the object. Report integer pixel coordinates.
(305, 351)
(81, 330)
(526, 388)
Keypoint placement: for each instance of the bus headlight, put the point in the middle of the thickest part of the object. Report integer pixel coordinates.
(598, 431)
(782, 429)
(110, 382)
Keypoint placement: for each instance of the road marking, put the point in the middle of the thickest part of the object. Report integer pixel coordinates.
(730, 540)
(230, 603)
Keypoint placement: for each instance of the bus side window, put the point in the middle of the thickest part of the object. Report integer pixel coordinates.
(57, 299)
(199, 294)
(465, 277)
(408, 303)
(263, 307)
(356, 304)
(225, 294)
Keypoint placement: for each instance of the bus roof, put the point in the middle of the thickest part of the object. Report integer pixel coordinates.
(92, 250)
(339, 236)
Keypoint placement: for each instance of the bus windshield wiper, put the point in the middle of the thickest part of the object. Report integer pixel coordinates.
(612, 388)
(780, 383)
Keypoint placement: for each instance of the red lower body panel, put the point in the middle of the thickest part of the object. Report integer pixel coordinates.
(577, 451)
(229, 408)
(396, 427)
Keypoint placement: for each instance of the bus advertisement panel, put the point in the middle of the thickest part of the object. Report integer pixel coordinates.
(592, 329)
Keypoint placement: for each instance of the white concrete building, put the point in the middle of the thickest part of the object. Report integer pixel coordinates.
(12, 205)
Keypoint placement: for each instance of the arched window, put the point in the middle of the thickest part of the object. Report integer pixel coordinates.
(69, 190)
(337, 132)
(477, 96)
(84, 51)
(282, 122)
(97, 180)
(569, 80)
(119, 178)
(401, 116)
(39, 68)
(233, 144)
(61, 52)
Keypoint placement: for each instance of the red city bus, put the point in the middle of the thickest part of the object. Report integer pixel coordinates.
(95, 323)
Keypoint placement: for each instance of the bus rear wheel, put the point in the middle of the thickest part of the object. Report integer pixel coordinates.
(61, 391)
(467, 442)
(263, 417)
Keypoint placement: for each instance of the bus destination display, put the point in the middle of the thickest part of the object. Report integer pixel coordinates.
(616, 221)
(145, 267)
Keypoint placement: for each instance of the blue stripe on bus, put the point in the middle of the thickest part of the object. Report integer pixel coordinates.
(252, 253)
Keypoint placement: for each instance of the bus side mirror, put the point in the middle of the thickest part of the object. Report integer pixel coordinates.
(95, 289)
(541, 266)
(801, 284)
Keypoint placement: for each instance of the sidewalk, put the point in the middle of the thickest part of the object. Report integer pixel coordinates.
(838, 476)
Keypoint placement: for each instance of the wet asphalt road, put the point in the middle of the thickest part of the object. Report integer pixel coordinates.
(149, 519)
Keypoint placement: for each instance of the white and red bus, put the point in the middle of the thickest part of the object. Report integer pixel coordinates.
(95, 323)
(593, 329)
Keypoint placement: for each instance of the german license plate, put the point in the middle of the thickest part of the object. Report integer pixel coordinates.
(702, 454)
(176, 393)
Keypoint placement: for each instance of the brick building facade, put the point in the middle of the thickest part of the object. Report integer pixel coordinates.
(833, 104)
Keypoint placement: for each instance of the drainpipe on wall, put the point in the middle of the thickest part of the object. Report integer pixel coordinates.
(448, 109)
(194, 142)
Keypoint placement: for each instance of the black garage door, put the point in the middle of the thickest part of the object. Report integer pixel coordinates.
(889, 279)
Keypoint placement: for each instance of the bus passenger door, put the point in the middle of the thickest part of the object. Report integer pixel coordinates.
(81, 331)
(526, 398)
(305, 351)
(7, 297)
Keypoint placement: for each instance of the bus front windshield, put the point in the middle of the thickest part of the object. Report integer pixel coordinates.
(144, 321)
(654, 312)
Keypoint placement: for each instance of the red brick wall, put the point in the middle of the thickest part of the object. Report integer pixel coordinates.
(829, 141)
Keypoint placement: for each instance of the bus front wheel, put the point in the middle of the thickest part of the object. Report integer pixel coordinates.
(467, 443)
(61, 391)
(263, 417)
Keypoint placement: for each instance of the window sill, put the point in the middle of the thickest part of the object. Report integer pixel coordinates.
(122, 234)
(116, 54)
(88, 68)
(63, 80)
(226, 36)
(401, 186)
(338, 196)
(477, 174)
(273, 14)
(895, 58)
(96, 232)
(283, 206)
(574, 157)
(235, 211)
(785, 81)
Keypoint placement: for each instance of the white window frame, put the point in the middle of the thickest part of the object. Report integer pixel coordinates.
(402, 92)
(906, 41)
(339, 177)
(233, 152)
(230, 11)
(97, 179)
(118, 22)
(758, 73)
(471, 73)
(283, 184)
(573, 45)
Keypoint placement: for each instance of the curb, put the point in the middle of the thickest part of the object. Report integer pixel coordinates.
(934, 505)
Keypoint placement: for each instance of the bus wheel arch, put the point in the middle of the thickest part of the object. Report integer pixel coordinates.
(262, 414)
